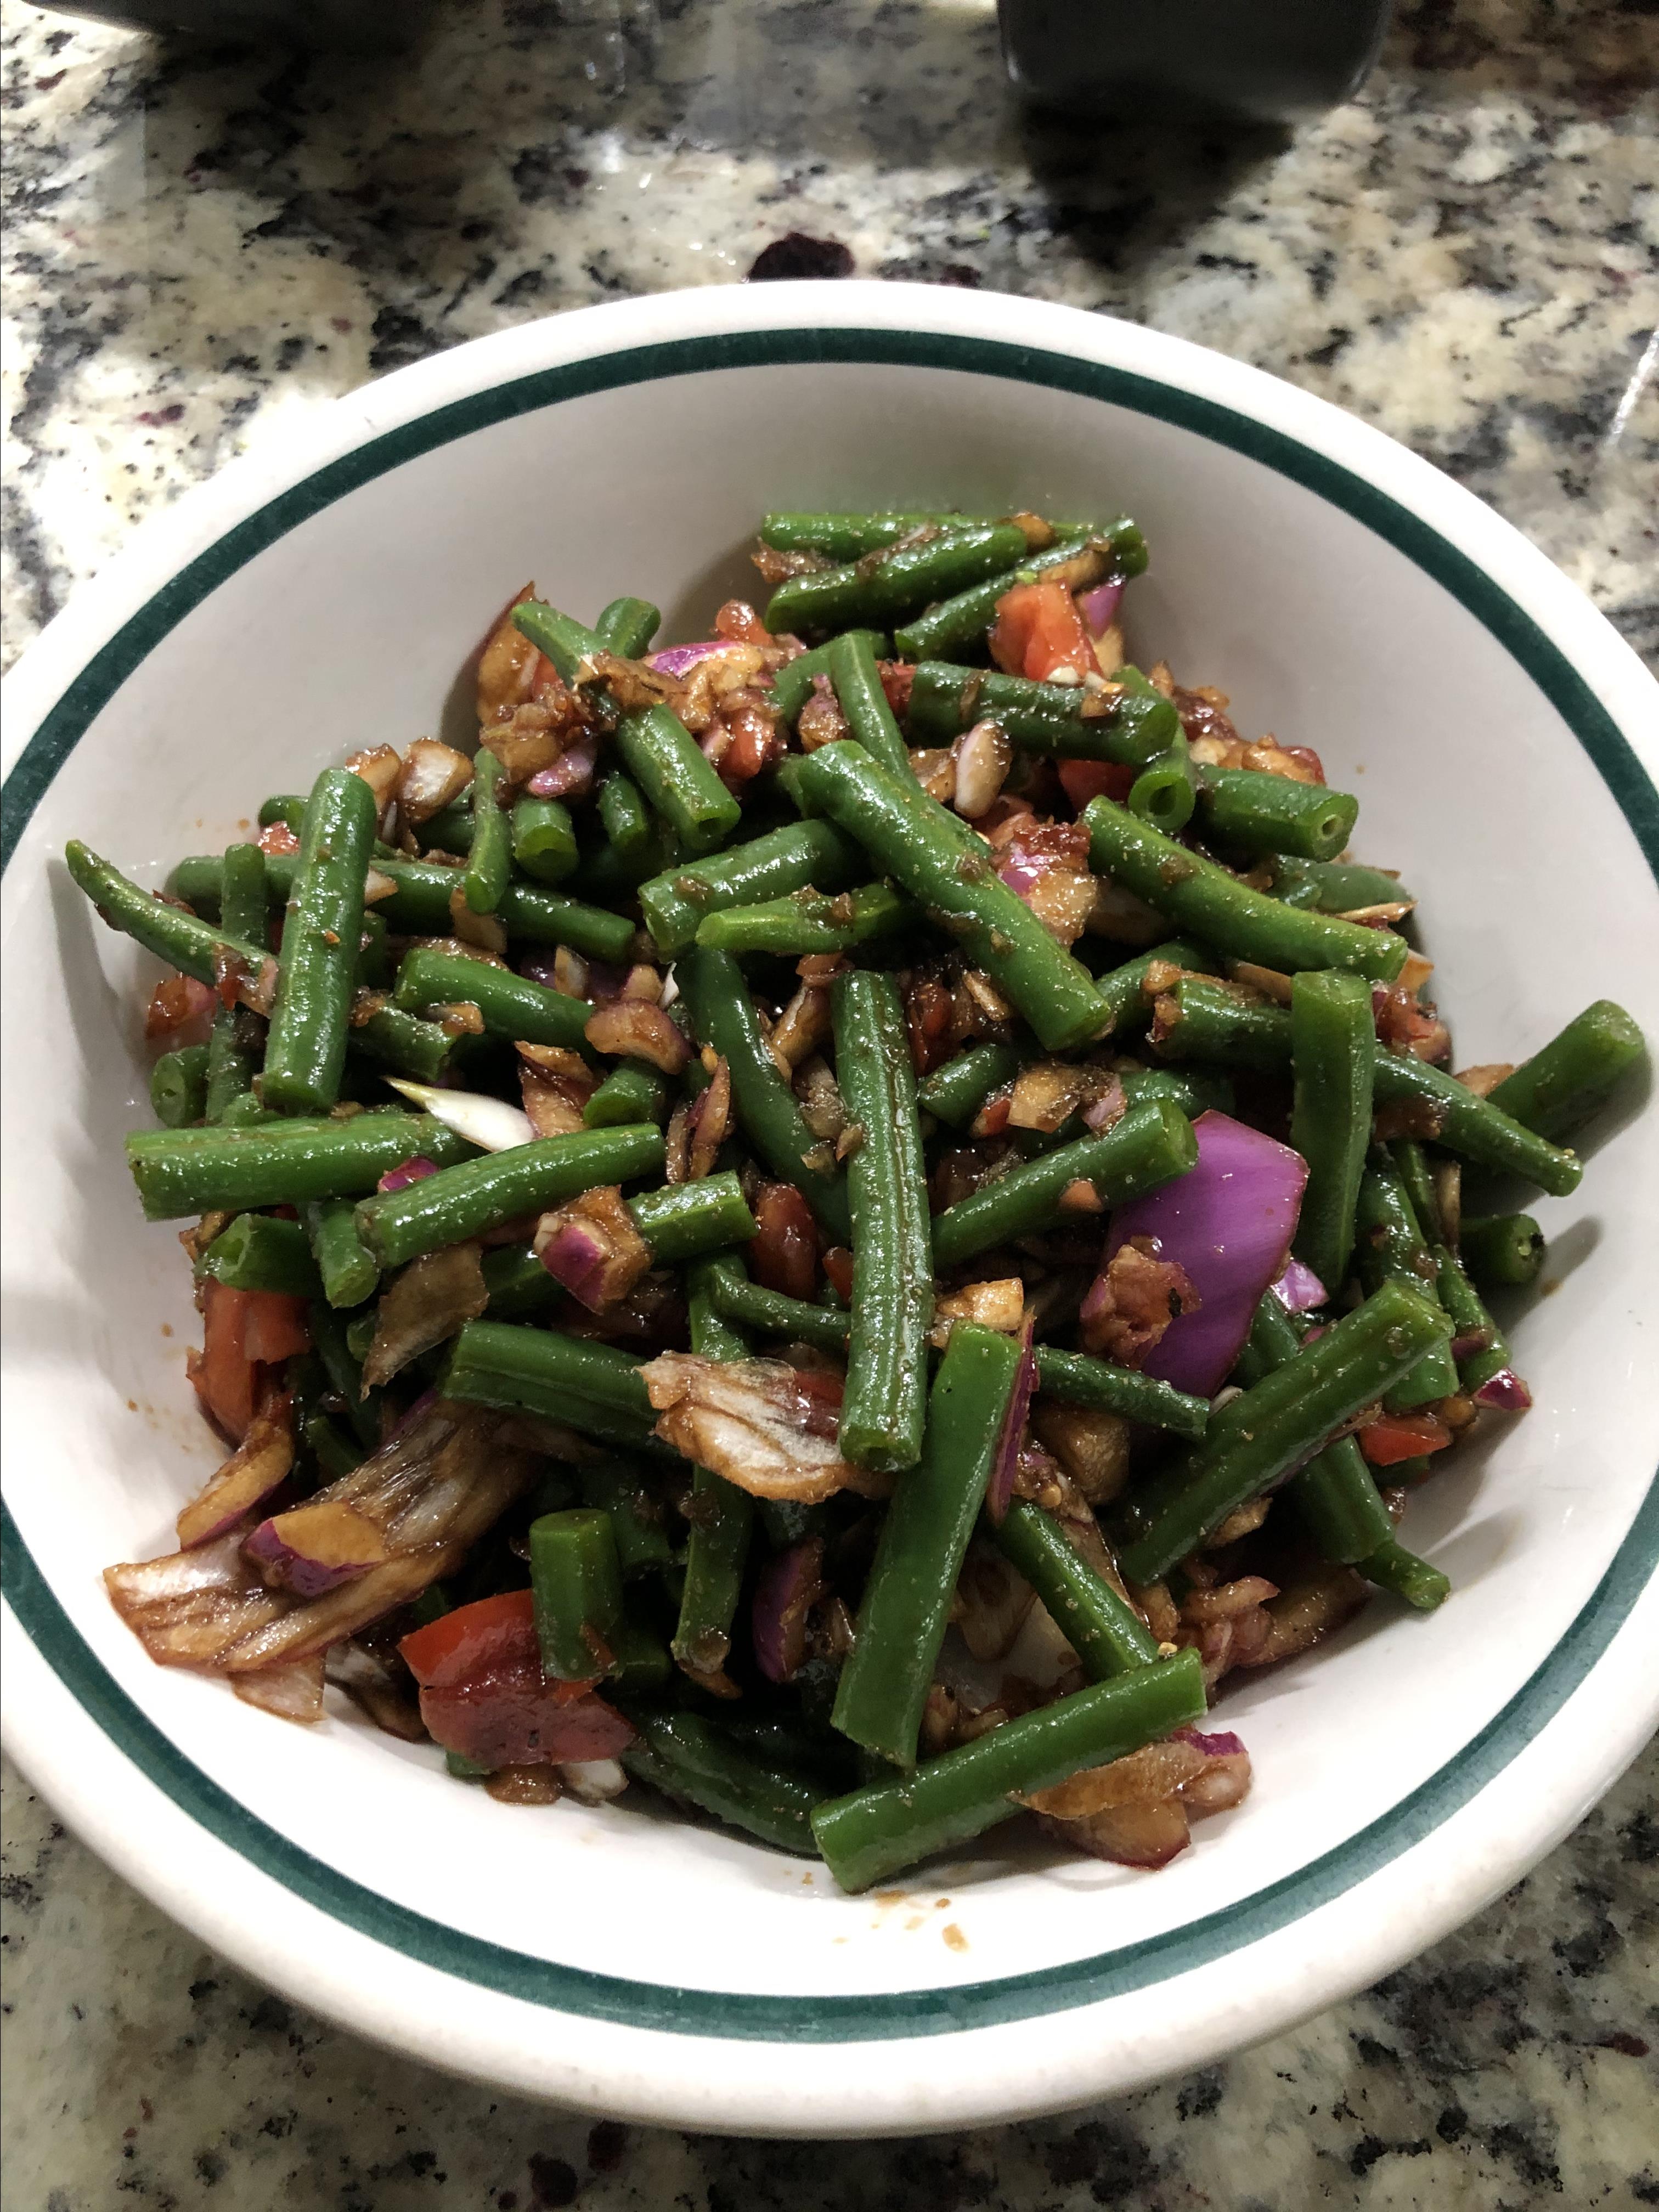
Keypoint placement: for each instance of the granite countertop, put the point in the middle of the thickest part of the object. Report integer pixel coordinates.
(203, 241)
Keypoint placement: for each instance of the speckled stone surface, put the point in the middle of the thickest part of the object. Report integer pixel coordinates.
(203, 243)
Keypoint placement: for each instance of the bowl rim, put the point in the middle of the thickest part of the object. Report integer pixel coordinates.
(174, 561)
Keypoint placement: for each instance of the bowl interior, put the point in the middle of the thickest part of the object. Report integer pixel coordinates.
(351, 627)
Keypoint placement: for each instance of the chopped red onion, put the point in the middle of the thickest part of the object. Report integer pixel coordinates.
(411, 1171)
(575, 1256)
(1000, 1488)
(572, 771)
(790, 1584)
(1099, 607)
(1506, 1391)
(1465, 1347)
(1298, 1290)
(1221, 1744)
(1228, 1222)
(675, 659)
(316, 1547)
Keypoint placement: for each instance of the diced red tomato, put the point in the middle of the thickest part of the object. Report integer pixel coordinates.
(275, 1327)
(496, 1631)
(180, 1012)
(510, 1716)
(1083, 779)
(1038, 630)
(243, 1330)
(838, 1269)
(1395, 1437)
(277, 837)
(785, 1252)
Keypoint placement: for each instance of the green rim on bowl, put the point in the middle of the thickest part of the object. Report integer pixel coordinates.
(732, 2014)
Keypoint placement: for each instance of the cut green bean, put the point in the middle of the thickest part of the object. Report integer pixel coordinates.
(1571, 1078)
(1166, 791)
(279, 1163)
(919, 1553)
(724, 1016)
(183, 940)
(345, 1372)
(1076, 1379)
(1088, 558)
(809, 921)
(347, 1271)
(403, 1044)
(1123, 989)
(1198, 894)
(544, 838)
(626, 822)
(575, 1580)
(690, 1759)
(450, 830)
(510, 1006)
(593, 1387)
(482, 1194)
(627, 627)
(1334, 1496)
(259, 1253)
(236, 1048)
(1250, 814)
(489, 856)
(877, 1831)
(890, 586)
(1332, 1053)
(922, 844)
(850, 537)
(1194, 1093)
(807, 855)
(631, 1092)
(1133, 726)
(863, 703)
(306, 1049)
(667, 762)
(884, 1409)
(336, 1453)
(288, 808)
(1482, 1345)
(617, 1489)
(954, 1092)
(1280, 1422)
(794, 683)
(1335, 886)
(519, 1287)
(1412, 1165)
(178, 1086)
(1393, 1568)
(770, 1313)
(1104, 1629)
(1149, 1147)
(1501, 1249)
(683, 1220)
(721, 1515)
(1390, 1246)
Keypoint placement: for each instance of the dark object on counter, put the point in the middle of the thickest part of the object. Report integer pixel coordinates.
(795, 254)
(361, 26)
(1274, 61)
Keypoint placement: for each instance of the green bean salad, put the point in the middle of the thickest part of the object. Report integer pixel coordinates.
(843, 1222)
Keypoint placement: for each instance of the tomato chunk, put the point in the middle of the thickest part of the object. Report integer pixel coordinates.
(785, 1252)
(1083, 779)
(242, 1331)
(496, 1631)
(1395, 1437)
(180, 1012)
(1039, 633)
(509, 1716)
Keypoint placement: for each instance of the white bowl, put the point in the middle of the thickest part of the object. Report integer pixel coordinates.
(1349, 597)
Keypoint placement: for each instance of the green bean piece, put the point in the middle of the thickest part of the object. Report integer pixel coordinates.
(633, 1091)
(236, 1048)
(1571, 1078)
(1089, 557)
(482, 1194)
(1076, 1379)
(617, 1489)
(519, 1287)
(1250, 814)
(178, 1086)
(690, 1759)
(419, 907)
(1121, 990)
(627, 627)
(245, 1111)
(667, 762)
(954, 1092)
(1196, 1093)
(922, 844)
(683, 1220)
(721, 1515)
(279, 1162)
(1166, 791)
(288, 808)
(1223, 1023)
(723, 1015)
(1488, 1352)
(1274, 1426)
(345, 1372)
(1332, 1053)
(770, 1313)
(1501, 1249)
(450, 830)
(1335, 1496)
(593, 1387)
(879, 1830)
(1336, 886)
(1151, 1146)
(1133, 726)
(306, 1047)
(184, 941)
(544, 838)
(807, 855)
(336, 1454)
(622, 812)
(1389, 1244)
(489, 857)
(885, 1410)
(1411, 1164)
(575, 1580)
(848, 537)
(348, 1273)
(403, 1044)
(793, 684)
(1104, 1629)
(892, 585)
(863, 703)
(924, 1536)
(1393, 1568)
(360, 1334)
(373, 954)
(809, 921)
(1198, 894)
(258, 1252)
(510, 1006)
